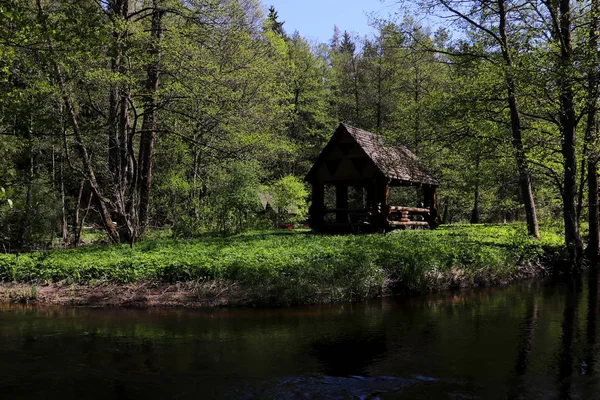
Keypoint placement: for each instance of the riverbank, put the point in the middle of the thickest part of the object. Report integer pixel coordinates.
(278, 267)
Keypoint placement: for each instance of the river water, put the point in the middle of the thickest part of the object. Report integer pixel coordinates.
(534, 340)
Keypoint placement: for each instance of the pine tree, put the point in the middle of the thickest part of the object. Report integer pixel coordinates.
(273, 22)
(347, 45)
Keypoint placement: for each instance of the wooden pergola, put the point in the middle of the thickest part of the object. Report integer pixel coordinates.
(357, 158)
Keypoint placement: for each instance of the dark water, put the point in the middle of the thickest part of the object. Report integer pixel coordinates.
(534, 340)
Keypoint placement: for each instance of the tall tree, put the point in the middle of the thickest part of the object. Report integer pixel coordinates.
(591, 132)
(492, 21)
(561, 22)
(273, 22)
(149, 123)
(347, 73)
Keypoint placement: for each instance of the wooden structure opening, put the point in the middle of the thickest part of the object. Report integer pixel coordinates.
(351, 182)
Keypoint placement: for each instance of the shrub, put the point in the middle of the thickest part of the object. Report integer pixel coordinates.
(289, 196)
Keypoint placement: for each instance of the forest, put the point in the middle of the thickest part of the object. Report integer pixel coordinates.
(134, 116)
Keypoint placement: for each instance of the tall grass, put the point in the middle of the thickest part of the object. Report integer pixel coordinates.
(300, 267)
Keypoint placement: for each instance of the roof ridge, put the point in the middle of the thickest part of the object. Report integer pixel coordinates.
(393, 161)
(384, 140)
(355, 130)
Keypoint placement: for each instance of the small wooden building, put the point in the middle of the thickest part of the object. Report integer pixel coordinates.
(361, 160)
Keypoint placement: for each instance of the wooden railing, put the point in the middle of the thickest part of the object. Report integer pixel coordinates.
(368, 216)
(413, 210)
(393, 209)
(405, 214)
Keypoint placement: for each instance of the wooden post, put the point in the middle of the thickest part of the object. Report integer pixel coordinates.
(382, 208)
(431, 203)
(317, 205)
(370, 189)
(341, 201)
(371, 204)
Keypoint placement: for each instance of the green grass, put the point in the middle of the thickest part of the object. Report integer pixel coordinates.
(300, 267)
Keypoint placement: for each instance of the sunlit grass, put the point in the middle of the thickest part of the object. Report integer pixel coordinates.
(298, 266)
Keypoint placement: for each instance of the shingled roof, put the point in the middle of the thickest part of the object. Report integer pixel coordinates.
(394, 162)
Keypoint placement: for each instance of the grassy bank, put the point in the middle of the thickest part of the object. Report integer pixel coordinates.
(295, 267)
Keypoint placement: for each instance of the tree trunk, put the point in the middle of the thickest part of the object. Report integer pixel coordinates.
(148, 133)
(517, 136)
(120, 158)
(65, 224)
(356, 94)
(582, 178)
(568, 125)
(76, 224)
(379, 97)
(572, 236)
(475, 211)
(593, 249)
(417, 113)
(26, 232)
(445, 213)
(82, 221)
(88, 170)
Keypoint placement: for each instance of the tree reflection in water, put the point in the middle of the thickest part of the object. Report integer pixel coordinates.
(532, 340)
(589, 359)
(566, 355)
(518, 387)
(351, 355)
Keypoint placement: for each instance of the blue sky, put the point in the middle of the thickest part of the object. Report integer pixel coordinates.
(314, 19)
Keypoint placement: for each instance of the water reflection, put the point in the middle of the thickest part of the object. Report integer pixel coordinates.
(526, 336)
(350, 355)
(527, 330)
(531, 340)
(588, 363)
(569, 336)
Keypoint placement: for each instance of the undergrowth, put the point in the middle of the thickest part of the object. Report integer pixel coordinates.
(280, 267)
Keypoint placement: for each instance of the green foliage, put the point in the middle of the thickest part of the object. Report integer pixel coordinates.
(231, 203)
(298, 267)
(234, 197)
(290, 197)
(241, 104)
(186, 226)
(31, 223)
(4, 199)
(273, 22)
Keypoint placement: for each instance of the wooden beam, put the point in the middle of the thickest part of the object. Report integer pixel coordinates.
(407, 223)
(432, 203)
(381, 208)
(414, 210)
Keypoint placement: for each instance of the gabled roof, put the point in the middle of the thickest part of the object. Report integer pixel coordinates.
(394, 162)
